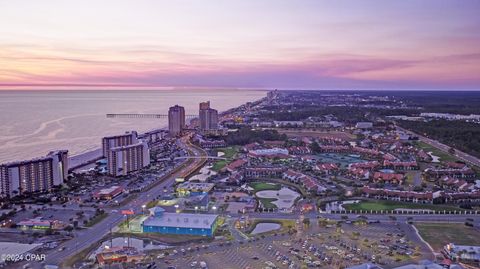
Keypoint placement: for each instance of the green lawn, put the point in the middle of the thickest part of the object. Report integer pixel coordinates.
(410, 175)
(391, 205)
(262, 186)
(218, 165)
(267, 202)
(440, 234)
(229, 152)
(444, 156)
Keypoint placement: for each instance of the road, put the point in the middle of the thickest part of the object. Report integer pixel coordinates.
(459, 154)
(385, 217)
(87, 237)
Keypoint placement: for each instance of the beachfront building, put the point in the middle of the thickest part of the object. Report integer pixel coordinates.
(36, 175)
(126, 139)
(125, 159)
(163, 222)
(176, 120)
(153, 136)
(208, 117)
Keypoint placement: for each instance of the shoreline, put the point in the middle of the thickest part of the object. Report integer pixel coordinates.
(88, 157)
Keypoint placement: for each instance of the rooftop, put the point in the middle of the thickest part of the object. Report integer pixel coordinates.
(182, 220)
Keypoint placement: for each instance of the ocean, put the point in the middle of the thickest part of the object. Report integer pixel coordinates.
(32, 123)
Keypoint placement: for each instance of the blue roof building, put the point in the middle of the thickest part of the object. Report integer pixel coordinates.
(180, 223)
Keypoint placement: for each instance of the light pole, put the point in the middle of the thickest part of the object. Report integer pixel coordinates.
(214, 209)
(196, 208)
(176, 208)
(143, 209)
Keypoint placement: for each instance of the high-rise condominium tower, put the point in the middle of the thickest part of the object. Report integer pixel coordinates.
(176, 119)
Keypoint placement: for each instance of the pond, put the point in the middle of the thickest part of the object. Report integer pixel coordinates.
(435, 159)
(285, 197)
(265, 227)
(205, 172)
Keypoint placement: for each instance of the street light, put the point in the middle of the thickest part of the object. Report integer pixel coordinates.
(196, 208)
(176, 208)
(143, 208)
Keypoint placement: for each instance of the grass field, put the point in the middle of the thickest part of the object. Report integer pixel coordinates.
(261, 186)
(267, 202)
(391, 205)
(443, 155)
(440, 234)
(218, 165)
(229, 154)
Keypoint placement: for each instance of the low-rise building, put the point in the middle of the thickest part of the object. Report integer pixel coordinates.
(396, 195)
(365, 165)
(455, 184)
(399, 165)
(288, 123)
(36, 223)
(194, 188)
(163, 222)
(364, 125)
(108, 193)
(327, 168)
(391, 178)
(359, 173)
(462, 253)
(296, 150)
(119, 255)
(309, 183)
(269, 153)
(233, 166)
(436, 173)
(263, 171)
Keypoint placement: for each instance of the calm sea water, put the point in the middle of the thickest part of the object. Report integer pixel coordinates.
(35, 122)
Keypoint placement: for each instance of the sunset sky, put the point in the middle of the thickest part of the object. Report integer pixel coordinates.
(245, 43)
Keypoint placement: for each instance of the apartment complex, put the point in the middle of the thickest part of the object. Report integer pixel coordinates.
(36, 175)
(176, 119)
(109, 142)
(125, 159)
(208, 116)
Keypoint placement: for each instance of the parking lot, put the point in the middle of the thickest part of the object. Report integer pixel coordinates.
(325, 247)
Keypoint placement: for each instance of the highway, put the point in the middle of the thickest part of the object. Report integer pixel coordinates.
(86, 237)
(459, 154)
